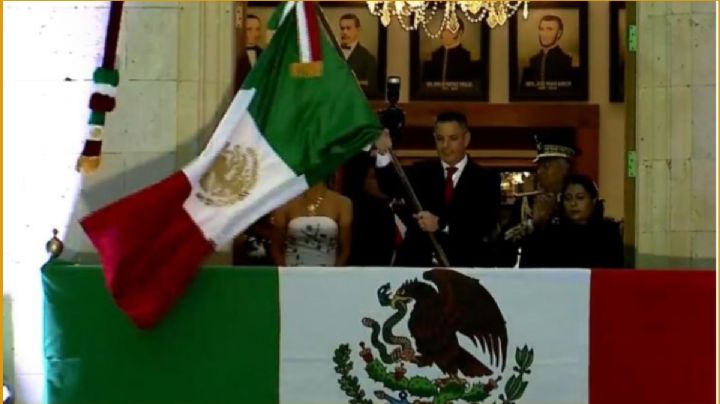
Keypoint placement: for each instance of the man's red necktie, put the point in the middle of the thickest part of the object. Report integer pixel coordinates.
(449, 186)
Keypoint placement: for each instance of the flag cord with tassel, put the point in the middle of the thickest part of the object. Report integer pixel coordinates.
(102, 101)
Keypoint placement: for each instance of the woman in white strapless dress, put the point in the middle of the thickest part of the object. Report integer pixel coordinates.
(313, 229)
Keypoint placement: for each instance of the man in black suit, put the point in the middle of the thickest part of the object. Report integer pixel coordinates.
(450, 62)
(551, 63)
(247, 59)
(460, 200)
(360, 60)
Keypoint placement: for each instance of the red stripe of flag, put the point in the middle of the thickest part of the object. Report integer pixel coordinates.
(150, 248)
(313, 28)
(652, 337)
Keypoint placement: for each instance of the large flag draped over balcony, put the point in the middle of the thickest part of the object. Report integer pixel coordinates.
(332, 335)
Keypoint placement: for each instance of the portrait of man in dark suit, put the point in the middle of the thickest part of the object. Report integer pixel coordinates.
(253, 50)
(460, 200)
(450, 62)
(551, 63)
(618, 50)
(453, 65)
(359, 58)
(548, 53)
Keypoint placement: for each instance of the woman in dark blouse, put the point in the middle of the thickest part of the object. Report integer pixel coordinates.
(583, 238)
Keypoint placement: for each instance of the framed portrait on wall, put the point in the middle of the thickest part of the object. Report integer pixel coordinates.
(618, 50)
(253, 25)
(363, 41)
(361, 36)
(452, 66)
(548, 53)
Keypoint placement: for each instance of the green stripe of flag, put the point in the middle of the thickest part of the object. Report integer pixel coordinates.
(225, 329)
(313, 124)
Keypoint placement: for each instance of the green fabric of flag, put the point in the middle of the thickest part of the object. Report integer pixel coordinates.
(308, 335)
(223, 335)
(313, 123)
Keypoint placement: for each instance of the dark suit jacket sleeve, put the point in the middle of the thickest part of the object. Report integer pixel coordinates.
(564, 67)
(567, 63)
(242, 68)
(558, 66)
(466, 67)
(473, 218)
(390, 184)
(494, 200)
(486, 185)
(428, 72)
(490, 209)
(540, 249)
(372, 73)
(612, 248)
(531, 72)
(363, 63)
(488, 218)
(389, 181)
(432, 67)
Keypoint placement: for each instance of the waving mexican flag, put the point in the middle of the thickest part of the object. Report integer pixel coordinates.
(299, 115)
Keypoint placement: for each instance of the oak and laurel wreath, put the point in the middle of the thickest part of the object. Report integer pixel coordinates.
(515, 385)
(423, 387)
(348, 384)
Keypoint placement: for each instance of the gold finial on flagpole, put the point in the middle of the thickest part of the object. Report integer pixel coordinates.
(54, 246)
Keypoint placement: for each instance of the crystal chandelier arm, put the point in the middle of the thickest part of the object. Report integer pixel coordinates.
(421, 13)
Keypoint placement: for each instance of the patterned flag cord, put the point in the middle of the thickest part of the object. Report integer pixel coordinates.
(102, 99)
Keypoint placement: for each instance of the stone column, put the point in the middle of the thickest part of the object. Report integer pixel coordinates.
(676, 135)
(176, 63)
(206, 62)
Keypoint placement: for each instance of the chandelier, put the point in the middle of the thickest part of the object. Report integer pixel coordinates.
(415, 14)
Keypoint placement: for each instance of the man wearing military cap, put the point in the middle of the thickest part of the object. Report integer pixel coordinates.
(536, 209)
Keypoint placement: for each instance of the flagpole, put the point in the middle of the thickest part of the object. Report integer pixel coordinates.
(439, 252)
(328, 29)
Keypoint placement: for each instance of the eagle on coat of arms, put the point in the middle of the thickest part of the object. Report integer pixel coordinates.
(452, 304)
(232, 175)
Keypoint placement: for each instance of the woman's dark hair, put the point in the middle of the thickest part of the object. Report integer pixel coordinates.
(598, 213)
(355, 171)
(330, 181)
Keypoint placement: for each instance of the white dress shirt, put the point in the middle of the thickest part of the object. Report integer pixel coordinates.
(348, 52)
(252, 56)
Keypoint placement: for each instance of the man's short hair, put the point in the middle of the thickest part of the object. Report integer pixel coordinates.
(555, 18)
(452, 116)
(253, 17)
(351, 16)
